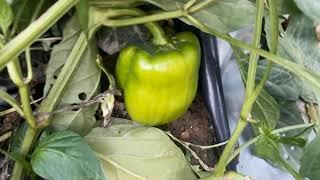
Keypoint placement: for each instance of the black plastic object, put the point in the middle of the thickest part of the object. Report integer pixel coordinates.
(211, 90)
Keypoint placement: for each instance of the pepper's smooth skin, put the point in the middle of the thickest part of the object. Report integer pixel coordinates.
(159, 86)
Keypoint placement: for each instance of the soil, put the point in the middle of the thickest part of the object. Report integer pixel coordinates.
(194, 127)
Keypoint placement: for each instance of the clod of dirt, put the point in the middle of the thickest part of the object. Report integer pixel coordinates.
(9, 122)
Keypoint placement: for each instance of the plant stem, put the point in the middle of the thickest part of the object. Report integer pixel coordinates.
(223, 160)
(145, 19)
(29, 66)
(200, 5)
(34, 30)
(253, 56)
(14, 71)
(27, 142)
(273, 47)
(159, 36)
(5, 136)
(37, 10)
(17, 18)
(276, 131)
(114, 3)
(246, 109)
(10, 100)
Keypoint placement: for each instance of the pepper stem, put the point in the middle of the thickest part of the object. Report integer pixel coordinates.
(159, 36)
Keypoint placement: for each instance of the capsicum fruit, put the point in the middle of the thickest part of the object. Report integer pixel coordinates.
(159, 86)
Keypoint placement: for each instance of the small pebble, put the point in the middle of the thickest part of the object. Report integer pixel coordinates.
(185, 135)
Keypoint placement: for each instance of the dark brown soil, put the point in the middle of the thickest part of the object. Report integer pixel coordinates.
(194, 127)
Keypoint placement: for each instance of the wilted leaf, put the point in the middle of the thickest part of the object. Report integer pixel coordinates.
(82, 86)
(6, 16)
(222, 15)
(65, 155)
(310, 164)
(130, 151)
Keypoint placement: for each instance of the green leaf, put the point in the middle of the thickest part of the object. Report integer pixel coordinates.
(65, 155)
(25, 9)
(83, 85)
(266, 110)
(281, 82)
(310, 164)
(289, 115)
(310, 8)
(222, 15)
(130, 151)
(286, 7)
(18, 137)
(299, 43)
(268, 147)
(82, 8)
(268, 151)
(6, 16)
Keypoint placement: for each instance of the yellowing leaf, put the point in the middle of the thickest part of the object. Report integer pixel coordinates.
(130, 151)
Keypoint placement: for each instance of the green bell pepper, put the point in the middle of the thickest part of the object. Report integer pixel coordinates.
(159, 86)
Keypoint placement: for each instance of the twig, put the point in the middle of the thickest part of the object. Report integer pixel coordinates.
(196, 145)
(10, 100)
(10, 110)
(5, 136)
(97, 99)
(186, 145)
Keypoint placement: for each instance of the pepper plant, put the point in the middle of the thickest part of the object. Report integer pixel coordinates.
(62, 140)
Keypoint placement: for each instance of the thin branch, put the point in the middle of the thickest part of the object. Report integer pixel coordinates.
(5, 136)
(195, 155)
(34, 30)
(10, 110)
(276, 131)
(10, 100)
(29, 66)
(196, 145)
